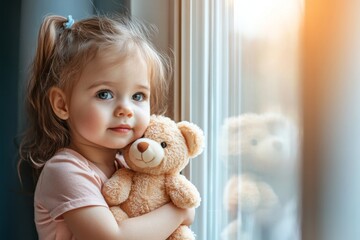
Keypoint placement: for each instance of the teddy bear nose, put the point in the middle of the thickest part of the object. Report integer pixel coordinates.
(142, 146)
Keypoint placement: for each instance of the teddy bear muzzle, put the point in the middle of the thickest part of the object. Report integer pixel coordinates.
(146, 153)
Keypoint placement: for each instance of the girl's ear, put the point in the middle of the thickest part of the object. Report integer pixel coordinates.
(58, 103)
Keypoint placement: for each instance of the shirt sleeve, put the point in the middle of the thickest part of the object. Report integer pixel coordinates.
(67, 184)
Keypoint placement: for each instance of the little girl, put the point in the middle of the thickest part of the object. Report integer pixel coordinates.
(91, 85)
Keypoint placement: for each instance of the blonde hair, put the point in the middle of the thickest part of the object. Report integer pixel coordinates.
(60, 54)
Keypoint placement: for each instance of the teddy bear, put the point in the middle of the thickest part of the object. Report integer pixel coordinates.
(260, 195)
(154, 178)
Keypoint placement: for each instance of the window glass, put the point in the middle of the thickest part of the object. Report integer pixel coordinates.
(243, 91)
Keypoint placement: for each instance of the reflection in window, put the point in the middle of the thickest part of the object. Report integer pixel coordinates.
(260, 193)
(243, 77)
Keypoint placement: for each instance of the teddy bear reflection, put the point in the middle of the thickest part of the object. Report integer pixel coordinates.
(260, 196)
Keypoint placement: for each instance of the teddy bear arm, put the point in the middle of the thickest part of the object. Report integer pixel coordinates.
(182, 192)
(268, 195)
(242, 191)
(117, 189)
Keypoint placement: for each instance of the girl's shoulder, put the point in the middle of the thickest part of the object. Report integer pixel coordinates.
(70, 169)
(67, 156)
(66, 161)
(68, 181)
(69, 153)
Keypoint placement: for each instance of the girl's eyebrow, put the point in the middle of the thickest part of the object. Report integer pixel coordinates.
(99, 83)
(144, 87)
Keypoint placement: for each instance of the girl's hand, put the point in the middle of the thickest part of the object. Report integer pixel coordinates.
(189, 216)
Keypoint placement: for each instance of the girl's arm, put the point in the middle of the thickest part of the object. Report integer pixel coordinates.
(97, 222)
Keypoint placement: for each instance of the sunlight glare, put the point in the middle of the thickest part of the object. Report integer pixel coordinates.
(255, 18)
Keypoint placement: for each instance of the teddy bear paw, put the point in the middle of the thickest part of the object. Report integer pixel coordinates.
(182, 233)
(119, 214)
(269, 198)
(243, 192)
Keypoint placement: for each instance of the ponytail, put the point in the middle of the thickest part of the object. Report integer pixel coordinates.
(42, 139)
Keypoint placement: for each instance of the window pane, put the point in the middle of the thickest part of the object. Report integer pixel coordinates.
(244, 76)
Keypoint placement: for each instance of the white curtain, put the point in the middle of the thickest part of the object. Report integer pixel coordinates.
(239, 83)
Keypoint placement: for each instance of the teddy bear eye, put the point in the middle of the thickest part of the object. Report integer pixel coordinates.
(254, 142)
(163, 144)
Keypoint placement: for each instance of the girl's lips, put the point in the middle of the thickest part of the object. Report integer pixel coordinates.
(122, 129)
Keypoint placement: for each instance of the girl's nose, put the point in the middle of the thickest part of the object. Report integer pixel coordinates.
(124, 110)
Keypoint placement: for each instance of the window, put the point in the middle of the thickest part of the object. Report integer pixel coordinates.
(239, 83)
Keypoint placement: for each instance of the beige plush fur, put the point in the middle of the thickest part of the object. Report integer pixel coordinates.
(154, 179)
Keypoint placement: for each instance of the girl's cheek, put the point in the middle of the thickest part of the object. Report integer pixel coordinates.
(91, 119)
(145, 120)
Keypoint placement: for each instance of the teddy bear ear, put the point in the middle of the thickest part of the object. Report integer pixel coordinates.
(194, 137)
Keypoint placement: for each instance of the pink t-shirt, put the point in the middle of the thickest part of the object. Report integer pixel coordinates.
(67, 181)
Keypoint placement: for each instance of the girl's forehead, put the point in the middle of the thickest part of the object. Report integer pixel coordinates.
(116, 54)
(112, 64)
(111, 57)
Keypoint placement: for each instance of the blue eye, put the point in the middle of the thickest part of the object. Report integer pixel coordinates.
(104, 94)
(138, 97)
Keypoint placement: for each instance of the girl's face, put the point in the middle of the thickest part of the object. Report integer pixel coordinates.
(110, 104)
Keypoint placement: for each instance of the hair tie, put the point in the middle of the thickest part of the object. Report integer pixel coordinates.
(69, 23)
